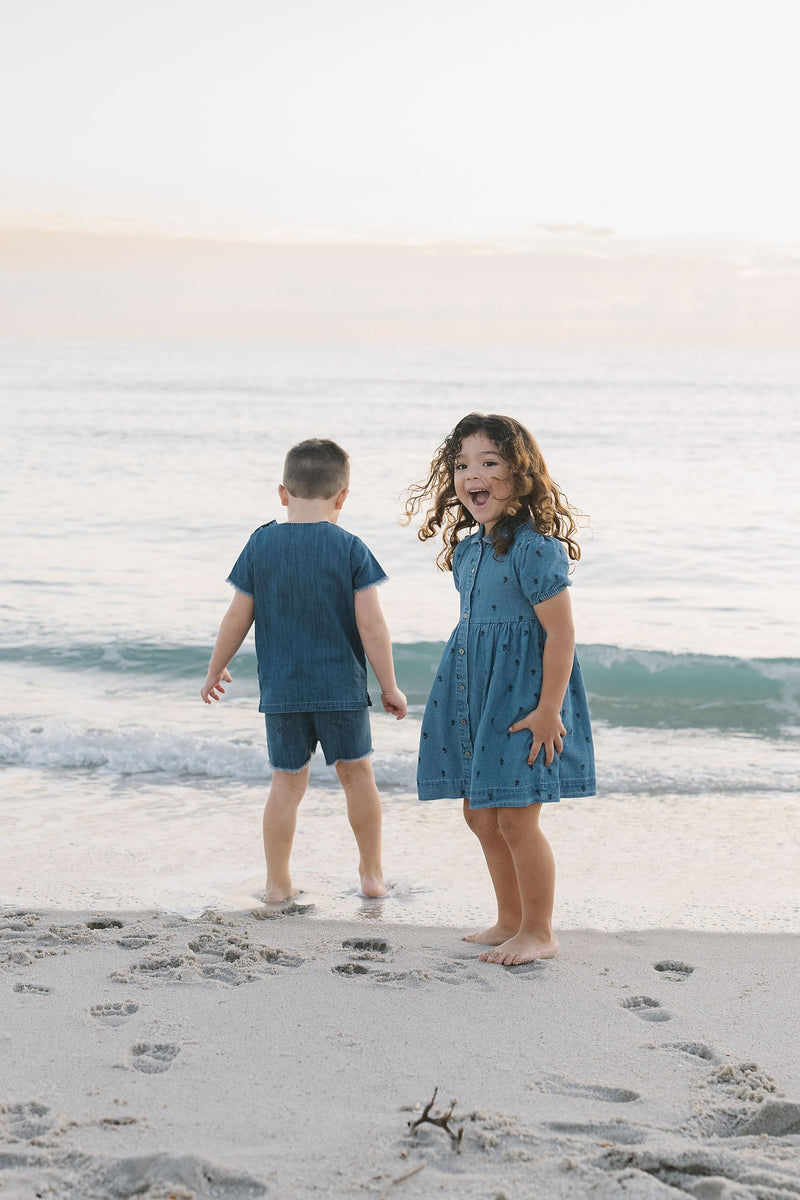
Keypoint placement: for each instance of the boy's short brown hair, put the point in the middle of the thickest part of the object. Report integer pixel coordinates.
(316, 469)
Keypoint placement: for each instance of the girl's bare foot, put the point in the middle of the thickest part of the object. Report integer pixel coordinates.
(491, 937)
(373, 887)
(522, 948)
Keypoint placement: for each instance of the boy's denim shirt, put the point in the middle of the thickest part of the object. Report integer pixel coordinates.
(302, 578)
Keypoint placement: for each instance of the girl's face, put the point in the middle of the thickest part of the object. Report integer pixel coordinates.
(480, 478)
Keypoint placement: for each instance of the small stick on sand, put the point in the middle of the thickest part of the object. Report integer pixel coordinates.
(442, 1121)
(401, 1179)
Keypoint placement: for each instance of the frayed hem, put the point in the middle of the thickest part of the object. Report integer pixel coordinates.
(360, 758)
(291, 770)
(241, 591)
(367, 586)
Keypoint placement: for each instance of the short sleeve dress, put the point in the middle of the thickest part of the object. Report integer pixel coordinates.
(491, 675)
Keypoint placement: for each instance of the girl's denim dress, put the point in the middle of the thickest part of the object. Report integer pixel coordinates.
(490, 676)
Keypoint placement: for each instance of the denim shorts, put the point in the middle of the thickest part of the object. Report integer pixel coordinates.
(292, 737)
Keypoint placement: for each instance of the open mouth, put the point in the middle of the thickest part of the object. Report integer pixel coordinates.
(479, 497)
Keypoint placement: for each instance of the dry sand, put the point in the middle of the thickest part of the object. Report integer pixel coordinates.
(250, 1054)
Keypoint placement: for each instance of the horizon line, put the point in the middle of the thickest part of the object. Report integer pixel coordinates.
(538, 236)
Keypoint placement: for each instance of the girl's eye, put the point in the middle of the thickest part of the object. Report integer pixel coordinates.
(459, 466)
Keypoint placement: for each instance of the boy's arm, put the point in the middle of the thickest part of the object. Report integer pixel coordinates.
(544, 723)
(232, 632)
(377, 644)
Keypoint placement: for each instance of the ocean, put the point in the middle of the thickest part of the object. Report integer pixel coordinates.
(134, 474)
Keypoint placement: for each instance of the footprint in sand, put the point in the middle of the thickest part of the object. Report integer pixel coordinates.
(586, 1091)
(774, 1118)
(159, 964)
(647, 1008)
(289, 908)
(135, 941)
(618, 1132)
(104, 923)
(33, 989)
(366, 949)
(234, 960)
(113, 1014)
(174, 1175)
(12, 929)
(61, 938)
(670, 969)
(537, 966)
(370, 945)
(415, 977)
(153, 1057)
(693, 1049)
(26, 1121)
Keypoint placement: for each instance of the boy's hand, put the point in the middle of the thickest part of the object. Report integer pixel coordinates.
(213, 685)
(547, 729)
(394, 703)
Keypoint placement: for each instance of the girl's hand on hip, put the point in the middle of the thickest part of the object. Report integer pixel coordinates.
(547, 729)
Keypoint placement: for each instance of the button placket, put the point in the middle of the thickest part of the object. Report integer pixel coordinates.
(462, 675)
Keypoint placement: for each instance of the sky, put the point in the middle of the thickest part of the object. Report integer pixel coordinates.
(401, 120)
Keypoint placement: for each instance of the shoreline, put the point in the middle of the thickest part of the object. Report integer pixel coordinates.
(252, 1053)
(173, 849)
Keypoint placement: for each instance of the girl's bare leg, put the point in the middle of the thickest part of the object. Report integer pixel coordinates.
(365, 815)
(536, 878)
(280, 820)
(484, 824)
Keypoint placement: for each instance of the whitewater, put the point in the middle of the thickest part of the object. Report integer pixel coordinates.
(134, 475)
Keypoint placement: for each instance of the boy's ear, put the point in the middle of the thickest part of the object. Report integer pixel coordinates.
(284, 495)
(340, 499)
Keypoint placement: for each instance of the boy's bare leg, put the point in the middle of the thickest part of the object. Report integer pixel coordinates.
(280, 820)
(536, 879)
(483, 823)
(364, 814)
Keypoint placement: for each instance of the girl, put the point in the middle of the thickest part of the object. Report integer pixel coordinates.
(506, 725)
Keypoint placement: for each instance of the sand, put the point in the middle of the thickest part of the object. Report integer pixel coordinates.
(251, 1054)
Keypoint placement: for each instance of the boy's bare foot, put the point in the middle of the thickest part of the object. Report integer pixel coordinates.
(491, 937)
(373, 887)
(522, 948)
(279, 895)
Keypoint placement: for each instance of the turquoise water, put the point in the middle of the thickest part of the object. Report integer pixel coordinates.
(133, 475)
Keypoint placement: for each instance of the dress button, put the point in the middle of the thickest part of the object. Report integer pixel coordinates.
(461, 650)
(467, 754)
(462, 687)
(463, 720)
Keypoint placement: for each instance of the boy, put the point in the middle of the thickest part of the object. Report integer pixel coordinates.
(310, 588)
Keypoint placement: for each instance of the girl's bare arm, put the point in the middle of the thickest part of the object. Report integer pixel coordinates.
(544, 723)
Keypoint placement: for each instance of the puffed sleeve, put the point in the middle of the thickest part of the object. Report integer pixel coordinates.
(365, 569)
(241, 577)
(542, 568)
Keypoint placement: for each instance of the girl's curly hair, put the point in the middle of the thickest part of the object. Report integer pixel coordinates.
(535, 496)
